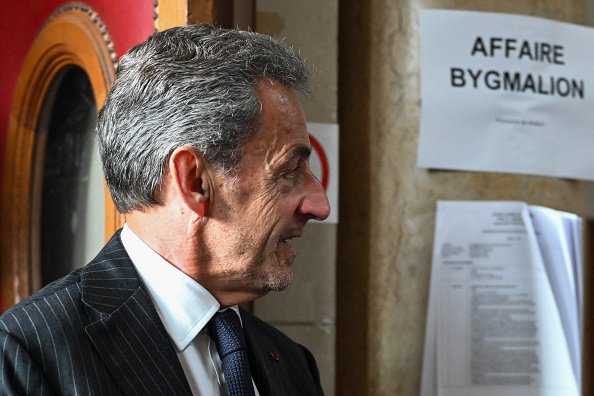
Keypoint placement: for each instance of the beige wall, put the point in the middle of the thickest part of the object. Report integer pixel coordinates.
(387, 204)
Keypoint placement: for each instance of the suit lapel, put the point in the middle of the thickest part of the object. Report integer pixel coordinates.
(264, 376)
(129, 334)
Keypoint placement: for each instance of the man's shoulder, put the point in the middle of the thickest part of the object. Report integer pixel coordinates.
(57, 303)
(69, 285)
(70, 294)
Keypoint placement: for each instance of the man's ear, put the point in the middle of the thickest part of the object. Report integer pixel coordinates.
(190, 178)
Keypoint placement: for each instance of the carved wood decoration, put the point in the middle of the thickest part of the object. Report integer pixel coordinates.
(73, 35)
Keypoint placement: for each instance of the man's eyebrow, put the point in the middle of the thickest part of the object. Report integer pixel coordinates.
(302, 151)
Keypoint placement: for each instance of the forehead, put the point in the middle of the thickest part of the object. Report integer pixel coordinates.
(283, 128)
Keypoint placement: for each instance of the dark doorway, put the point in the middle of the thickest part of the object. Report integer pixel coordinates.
(67, 205)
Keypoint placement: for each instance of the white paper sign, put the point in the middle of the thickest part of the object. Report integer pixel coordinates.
(506, 93)
(504, 313)
(324, 162)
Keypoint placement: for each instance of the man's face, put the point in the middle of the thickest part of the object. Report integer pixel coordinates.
(272, 198)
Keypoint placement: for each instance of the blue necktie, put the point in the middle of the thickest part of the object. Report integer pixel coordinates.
(227, 333)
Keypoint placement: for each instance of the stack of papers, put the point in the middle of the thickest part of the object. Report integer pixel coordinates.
(505, 303)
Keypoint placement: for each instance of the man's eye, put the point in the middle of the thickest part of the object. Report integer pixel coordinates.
(293, 173)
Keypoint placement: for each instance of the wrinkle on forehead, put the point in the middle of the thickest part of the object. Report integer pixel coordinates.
(282, 124)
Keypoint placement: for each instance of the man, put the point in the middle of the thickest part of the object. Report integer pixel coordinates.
(205, 150)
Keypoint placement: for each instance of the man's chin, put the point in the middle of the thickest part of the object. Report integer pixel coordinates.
(279, 282)
(277, 287)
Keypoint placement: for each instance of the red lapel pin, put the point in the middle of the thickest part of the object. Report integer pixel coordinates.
(274, 355)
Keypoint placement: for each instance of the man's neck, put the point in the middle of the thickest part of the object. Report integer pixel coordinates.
(179, 240)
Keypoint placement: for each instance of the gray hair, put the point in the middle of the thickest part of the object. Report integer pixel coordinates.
(186, 86)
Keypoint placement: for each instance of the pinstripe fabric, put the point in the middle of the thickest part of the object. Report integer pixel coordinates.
(96, 332)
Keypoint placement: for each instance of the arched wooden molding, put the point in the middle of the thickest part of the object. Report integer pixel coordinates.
(73, 35)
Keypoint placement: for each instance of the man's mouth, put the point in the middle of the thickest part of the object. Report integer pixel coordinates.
(287, 237)
(286, 241)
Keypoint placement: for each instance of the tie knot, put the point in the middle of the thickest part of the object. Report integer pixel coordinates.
(227, 333)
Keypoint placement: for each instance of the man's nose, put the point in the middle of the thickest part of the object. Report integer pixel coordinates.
(315, 204)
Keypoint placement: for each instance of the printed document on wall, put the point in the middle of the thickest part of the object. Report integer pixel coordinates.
(506, 93)
(504, 312)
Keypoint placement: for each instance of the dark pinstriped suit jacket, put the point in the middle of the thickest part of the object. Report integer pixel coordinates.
(96, 332)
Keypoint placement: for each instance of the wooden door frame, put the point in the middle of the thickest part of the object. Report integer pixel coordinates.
(73, 36)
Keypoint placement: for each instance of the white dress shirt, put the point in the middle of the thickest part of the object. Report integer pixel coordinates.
(185, 307)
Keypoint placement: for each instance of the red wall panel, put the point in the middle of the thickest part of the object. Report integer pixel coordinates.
(128, 22)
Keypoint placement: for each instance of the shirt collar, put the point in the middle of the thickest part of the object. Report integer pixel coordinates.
(185, 307)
